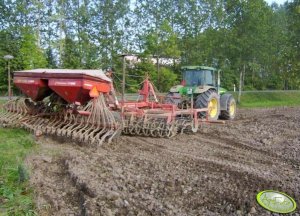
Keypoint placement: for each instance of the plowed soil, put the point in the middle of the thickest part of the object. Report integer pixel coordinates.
(217, 171)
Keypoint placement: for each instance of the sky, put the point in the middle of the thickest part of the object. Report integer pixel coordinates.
(277, 1)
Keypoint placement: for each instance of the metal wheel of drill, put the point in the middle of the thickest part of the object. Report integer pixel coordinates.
(125, 130)
(161, 129)
(138, 127)
(131, 129)
(180, 122)
(146, 128)
(211, 100)
(169, 132)
(155, 128)
(186, 125)
(125, 126)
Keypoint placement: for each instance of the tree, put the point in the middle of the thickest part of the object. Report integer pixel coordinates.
(293, 54)
(231, 35)
(106, 30)
(30, 53)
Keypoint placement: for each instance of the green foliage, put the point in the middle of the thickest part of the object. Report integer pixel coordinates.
(162, 41)
(293, 53)
(30, 54)
(23, 47)
(8, 45)
(228, 79)
(16, 196)
(269, 99)
(70, 55)
(230, 35)
(167, 79)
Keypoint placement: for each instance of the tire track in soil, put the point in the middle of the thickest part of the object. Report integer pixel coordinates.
(216, 165)
(200, 174)
(220, 157)
(49, 172)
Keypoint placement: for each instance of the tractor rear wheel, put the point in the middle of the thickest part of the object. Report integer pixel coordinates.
(173, 98)
(230, 111)
(211, 100)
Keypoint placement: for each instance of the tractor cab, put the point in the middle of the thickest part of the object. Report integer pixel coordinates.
(198, 76)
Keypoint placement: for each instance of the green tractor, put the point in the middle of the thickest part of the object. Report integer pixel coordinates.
(200, 88)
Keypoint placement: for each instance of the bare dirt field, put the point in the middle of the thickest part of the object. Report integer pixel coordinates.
(217, 171)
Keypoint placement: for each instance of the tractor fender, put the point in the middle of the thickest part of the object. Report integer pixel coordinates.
(201, 89)
(176, 88)
(223, 101)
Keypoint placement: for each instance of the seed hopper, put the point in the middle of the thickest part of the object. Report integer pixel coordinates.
(82, 105)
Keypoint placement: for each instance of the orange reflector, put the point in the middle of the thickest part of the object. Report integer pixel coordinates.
(94, 92)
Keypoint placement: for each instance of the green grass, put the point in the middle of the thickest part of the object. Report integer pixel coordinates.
(269, 99)
(16, 196)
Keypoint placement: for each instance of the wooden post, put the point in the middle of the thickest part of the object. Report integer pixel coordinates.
(9, 86)
(123, 80)
(218, 81)
(158, 74)
(8, 58)
(241, 83)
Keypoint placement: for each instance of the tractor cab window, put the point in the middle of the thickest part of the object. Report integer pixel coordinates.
(199, 77)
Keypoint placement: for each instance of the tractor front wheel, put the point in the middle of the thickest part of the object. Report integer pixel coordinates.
(211, 100)
(229, 113)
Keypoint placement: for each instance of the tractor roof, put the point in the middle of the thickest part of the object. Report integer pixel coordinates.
(197, 68)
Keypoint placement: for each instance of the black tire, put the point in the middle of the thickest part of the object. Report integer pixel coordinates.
(173, 98)
(229, 114)
(203, 100)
